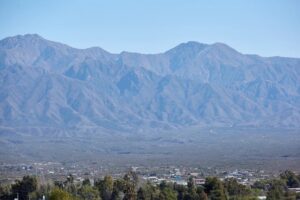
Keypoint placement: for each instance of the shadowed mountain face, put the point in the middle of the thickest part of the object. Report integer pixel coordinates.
(44, 83)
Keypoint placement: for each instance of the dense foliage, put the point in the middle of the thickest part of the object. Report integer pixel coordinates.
(130, 188)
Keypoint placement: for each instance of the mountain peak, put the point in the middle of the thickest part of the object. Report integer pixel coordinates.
(193, 48)
(21, 40)
(27, 37)
(32, 36)
(221, 47)
(190, 46)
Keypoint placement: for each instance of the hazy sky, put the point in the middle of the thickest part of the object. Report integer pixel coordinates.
(265, 27)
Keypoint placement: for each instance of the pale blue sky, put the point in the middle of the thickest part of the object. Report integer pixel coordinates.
(265, 27)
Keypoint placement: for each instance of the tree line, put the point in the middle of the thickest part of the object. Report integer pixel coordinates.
(130, 188)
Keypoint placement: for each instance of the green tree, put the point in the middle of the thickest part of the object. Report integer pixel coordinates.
(201, 194)
(105, 187)
(191, 193)
(59, 194)
(298, 195)
(130, 182)
(191, 185)
(22, 188)
(86, 182)
(261, 184)
(87, 192)
(290, 178)
(167, 194)
(214, 188)
(141, 194)
(147, 192)
(290, 195)
(118, 186)
(59, 184)
(70, 179)
(42, 190)
(276, 191)
(163, 185)
(181, 191)
(5, 192)
(236, 190)
(68, 185)
(217, 194)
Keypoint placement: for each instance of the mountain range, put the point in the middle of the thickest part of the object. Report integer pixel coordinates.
(49, 84)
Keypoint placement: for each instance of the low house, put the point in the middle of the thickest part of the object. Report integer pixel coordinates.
(199, 181)
(297, 190)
